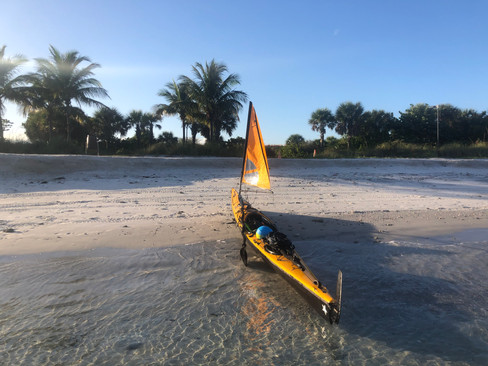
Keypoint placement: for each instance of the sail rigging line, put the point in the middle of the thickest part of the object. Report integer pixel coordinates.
(243, 252)
(245, 146)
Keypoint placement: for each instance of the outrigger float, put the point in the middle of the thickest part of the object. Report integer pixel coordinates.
(261, 234)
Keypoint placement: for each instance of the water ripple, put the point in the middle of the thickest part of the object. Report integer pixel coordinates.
(198, 304)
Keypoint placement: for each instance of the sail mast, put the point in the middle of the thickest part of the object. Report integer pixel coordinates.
(245, 147)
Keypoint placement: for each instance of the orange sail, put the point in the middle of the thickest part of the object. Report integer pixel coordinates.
(255, 171)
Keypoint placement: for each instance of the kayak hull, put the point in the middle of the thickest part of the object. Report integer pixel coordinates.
(292, 269)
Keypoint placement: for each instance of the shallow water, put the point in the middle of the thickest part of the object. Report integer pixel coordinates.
(403, 303)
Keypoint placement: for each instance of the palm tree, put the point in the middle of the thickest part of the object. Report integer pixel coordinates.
(149, 122)
(196, 127)
(106, 122)
(295, 139)
(40, 97)
(215, 96)
(10, 83)
(134, 119)
(62, 79)
(349, 117)
(179, 102)
(228, 121)
(377, 127)
(144, 125)
(321, 119)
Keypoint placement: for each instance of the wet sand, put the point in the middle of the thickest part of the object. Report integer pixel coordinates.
(53, 203)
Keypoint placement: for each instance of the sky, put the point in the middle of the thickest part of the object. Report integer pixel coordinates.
(292, 57)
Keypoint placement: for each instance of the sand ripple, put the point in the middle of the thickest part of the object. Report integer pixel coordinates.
(197, 304)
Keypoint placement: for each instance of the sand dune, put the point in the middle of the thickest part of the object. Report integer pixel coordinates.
(51, 203)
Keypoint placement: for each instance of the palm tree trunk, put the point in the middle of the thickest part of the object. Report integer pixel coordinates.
(138, 132)
(184, 125)
(1, 109)
(194, 131)
(68, 131)
(67, 128)
(211, 130)
(49, 119)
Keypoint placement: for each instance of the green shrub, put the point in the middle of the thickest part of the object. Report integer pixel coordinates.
(457, 150)
(55, 146)
(399, 149)
(334, 149)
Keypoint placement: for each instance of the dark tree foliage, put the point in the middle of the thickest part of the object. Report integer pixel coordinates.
(61, 80)
(349, 117)
(419, 124)
(168, 138)
(179, 103)
(295, 139)
(376, 126)
(321, 119)
(466, 126)
(106, 123)
(41, 126)
(144, 124)
(218, 102)
(475, 125)
(10, 84)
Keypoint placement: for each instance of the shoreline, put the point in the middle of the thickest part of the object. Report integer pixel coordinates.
(58, 203)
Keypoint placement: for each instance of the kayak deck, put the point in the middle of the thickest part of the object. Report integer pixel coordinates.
(292, 268)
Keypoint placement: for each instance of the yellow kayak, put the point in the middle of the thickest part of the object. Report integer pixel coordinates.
(279, 252)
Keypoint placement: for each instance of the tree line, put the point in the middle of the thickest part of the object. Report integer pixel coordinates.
(52, 98)
(207, 103)
(419, 124)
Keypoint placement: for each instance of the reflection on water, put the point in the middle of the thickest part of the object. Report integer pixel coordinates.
(257, 309)
(198, 304)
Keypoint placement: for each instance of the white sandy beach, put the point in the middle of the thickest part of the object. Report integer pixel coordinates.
(53, 203)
